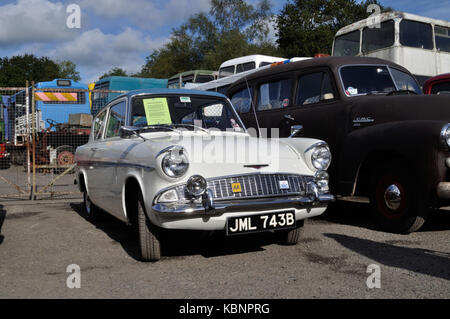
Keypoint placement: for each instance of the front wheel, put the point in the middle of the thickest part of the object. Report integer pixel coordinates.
(93, 213)
(291, 237)
(148, 240)
(397, 200)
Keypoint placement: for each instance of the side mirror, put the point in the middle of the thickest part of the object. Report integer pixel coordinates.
(296, 131)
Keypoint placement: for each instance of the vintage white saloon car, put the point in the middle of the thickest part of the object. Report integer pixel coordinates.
(182, 159)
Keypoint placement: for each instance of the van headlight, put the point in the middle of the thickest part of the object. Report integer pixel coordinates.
(445, 135)
(175, 163)
(319, 156)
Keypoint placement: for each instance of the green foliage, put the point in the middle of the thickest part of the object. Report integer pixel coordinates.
(15, 71)
(233, 28)
(114, 72)
(68, 70)
(307, 27)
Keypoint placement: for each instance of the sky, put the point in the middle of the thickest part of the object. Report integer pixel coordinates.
(120, 33)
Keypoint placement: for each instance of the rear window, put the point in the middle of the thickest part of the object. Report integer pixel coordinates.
(274, 95)
(416, 34)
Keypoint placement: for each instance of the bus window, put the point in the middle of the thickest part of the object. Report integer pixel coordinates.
(442, 38)
(204, 78)
(416, 34)
(245, 67)
(347, 44)
(378, 38)
(227, 71)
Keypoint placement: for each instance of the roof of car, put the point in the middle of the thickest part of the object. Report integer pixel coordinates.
(333, 62)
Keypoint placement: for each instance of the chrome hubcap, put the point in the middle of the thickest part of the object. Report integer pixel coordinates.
(87, 204)
(393, 197)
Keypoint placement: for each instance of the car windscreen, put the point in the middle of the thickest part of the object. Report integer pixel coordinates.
(184, 111)
(366, 79)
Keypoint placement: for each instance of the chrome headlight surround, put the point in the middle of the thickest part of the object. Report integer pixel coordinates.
(445, 135)
(175, 163)
(168, 196)
(318, 156)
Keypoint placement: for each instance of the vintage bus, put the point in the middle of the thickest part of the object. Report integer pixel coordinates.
(121, 83)
(420, 44)
(195, 76)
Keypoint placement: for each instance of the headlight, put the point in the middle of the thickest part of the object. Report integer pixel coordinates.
(196, 185)
(175, 163)
(322, 178)
(321, 157)
(445, 135)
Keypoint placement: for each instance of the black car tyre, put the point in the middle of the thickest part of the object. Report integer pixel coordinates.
(398, 202)
(148, 240)
(291, 237)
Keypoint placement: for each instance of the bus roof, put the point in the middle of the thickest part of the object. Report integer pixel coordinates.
(207, 72)
(56, 83)
(251, 58)
(123, 81)
(391, 15)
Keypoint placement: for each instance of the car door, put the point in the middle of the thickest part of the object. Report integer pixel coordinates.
(93, 169)
(109, 154)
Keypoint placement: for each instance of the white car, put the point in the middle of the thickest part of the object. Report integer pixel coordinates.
(182, 159)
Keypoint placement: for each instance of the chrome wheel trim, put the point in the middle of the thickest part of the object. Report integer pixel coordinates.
(393, 197)
(87, 204)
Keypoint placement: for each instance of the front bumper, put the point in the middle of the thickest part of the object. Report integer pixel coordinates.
(209, 208)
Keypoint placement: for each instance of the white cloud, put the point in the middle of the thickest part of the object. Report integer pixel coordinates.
(96, 52)
(147, 14)
(35, 21)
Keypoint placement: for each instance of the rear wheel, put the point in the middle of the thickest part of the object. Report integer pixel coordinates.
(148, 234)
(93, 213)
(398, 202)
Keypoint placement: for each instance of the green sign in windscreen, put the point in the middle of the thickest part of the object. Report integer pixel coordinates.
(157, 111)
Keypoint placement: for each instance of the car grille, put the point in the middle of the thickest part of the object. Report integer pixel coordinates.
(256, 186)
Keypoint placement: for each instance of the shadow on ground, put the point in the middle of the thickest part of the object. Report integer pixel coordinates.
(359, 215)
(181, 243)
(2, 219)
(418, 260)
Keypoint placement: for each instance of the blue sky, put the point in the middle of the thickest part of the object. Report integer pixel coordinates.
(119, 33)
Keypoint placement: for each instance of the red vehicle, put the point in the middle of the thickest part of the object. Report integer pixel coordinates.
(439, 84)
(4, 155)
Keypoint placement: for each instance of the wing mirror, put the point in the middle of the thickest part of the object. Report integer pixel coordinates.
(296, 131)
(127, 131)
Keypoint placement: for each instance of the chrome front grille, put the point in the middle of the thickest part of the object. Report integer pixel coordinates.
(255, 186)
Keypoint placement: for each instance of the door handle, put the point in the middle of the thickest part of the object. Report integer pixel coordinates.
(289, 117)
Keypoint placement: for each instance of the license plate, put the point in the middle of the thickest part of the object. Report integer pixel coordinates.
(260, 223)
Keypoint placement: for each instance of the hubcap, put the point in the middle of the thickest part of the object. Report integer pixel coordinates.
(393, 197)
(87, 204)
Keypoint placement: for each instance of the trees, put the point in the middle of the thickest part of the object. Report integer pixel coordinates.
(15, 71)
(307, 27)
(68, 70)
(114, 72)
(233, 28)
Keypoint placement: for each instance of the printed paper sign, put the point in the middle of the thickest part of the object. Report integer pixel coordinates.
(157, 111)
(185, 99)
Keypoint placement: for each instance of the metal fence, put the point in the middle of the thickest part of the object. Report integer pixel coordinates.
(40, 129)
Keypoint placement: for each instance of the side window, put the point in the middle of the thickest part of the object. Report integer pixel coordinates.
(98, 125)
(116, 119)
(242, 100)
(274, 95)
(314, 88)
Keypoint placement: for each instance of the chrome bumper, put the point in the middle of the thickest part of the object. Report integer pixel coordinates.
(443, 190)
(210, 208)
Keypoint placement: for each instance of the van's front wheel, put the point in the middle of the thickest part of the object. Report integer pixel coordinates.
(398, 202)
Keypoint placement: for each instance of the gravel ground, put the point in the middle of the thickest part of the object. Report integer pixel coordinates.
(38, 240)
